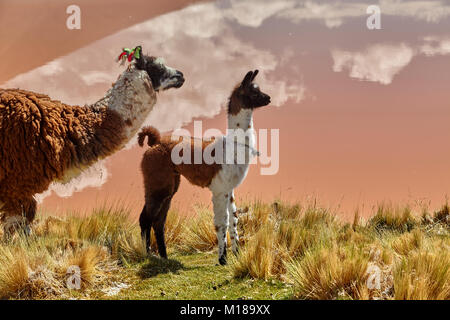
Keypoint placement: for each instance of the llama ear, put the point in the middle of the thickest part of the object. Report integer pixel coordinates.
(254, 75)
(247, 79)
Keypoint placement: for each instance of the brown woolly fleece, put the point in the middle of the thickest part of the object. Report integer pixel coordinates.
(157, 164)
(40, 139)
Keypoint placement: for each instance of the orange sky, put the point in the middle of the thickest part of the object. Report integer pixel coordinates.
(362, 114)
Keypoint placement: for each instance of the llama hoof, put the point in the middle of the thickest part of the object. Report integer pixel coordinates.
(27, 231)
(223, 260)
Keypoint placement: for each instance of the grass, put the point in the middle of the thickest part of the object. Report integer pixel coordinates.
(287, 251)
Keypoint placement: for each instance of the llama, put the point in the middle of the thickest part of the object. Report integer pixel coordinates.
(43, 140)
(162, 175)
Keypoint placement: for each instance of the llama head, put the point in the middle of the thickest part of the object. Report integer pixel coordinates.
(248, 95)
(163, 77)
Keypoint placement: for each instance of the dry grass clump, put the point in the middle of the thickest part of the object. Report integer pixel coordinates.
(443, 215)
(326, 259)
(408, 242)
(94, 264)
(423, 276)
(288, 232)
(389, 218)
(199, 233)
(38, 266)
(257, 258)
(330, 273)
(18, 280)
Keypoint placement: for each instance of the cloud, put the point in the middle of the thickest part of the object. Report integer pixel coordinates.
(428, 11)
(331, 14)
(381, 62)
(94, 177)
(253, 13)
(435, 46)
(378, 63)
(199, 40)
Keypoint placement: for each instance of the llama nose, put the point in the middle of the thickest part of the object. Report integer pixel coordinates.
(179, 78)
(179, 74)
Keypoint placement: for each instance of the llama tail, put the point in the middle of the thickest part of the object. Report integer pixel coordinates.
(154, 137)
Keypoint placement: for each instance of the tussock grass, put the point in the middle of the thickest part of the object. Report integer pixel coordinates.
(390, 218)
(423, 276)
(443, 215)
(408, 242)
(287, 232)
(330, 273)
(324, 258)
(258, 258)
(299, 248)
(37, 267)
(199, 233)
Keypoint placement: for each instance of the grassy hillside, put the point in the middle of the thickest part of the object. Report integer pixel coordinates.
(287, 252)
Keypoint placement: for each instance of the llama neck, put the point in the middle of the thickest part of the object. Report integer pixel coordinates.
(107, 125)
(243, 120)
(130, 99)
(99, 130)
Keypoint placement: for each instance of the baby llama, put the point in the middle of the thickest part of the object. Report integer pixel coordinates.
(162, 174)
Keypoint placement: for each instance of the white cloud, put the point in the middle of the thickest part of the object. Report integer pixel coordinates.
(253, 13)
(94, 177)
(378, 63)
(332, 14)
(429, 11)
(436, 46)
(381, 62)
(95, 77)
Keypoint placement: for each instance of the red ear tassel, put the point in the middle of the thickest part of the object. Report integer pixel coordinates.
(121, 55)
(130, 56)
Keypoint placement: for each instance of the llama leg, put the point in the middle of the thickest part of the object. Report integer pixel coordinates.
(13, 218)
(220, 204)
(158, 226)
(146, 226)
(233, 220)
(29, 208)
(160, 222)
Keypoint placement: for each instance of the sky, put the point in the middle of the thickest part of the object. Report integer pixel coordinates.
(362, 114)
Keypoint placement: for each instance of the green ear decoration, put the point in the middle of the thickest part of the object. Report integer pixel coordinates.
(137, 52)
(129, 54)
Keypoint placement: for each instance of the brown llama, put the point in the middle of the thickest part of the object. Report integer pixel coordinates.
(43, 140)
(162, 174)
